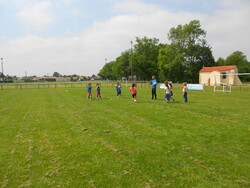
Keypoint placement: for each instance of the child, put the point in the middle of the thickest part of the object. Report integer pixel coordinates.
(89, 97)
(118, 89)
(98, 91)
(133, 92)
(171, 92)
(185, 91)
(167, 90)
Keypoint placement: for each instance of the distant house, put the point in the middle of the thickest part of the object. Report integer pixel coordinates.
(219, 75)
(62, 79)
(53, 79)
(46, 79)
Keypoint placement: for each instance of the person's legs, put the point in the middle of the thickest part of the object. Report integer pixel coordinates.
(154, 93)
(89, 95)
(167, 97)
(185, 97)
(98, 95)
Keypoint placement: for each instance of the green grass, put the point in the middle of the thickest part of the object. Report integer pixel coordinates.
(53, 138)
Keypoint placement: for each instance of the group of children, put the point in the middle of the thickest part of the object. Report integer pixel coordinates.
(118, 89)
(168, 89)
(98, 91)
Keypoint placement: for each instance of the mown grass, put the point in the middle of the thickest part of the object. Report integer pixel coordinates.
(53, 138)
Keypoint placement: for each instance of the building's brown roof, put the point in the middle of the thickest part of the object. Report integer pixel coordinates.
(219, 69)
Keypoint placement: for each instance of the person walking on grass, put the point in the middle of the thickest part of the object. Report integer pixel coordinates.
(133, 92)
(171, 92)
(98, 91)
(154, 84)
(167, 91)
(185, 92)
(89, 90)
(118, 89)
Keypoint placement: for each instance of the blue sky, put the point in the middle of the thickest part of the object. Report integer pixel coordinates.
(43, 36)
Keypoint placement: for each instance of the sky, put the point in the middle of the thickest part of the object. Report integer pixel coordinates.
(40, 37)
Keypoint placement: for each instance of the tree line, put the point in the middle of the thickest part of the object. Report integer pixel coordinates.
(179, 61)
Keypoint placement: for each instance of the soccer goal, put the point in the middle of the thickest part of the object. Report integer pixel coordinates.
(223, 88)
(237, 82)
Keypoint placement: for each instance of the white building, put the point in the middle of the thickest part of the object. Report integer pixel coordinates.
(218, 75)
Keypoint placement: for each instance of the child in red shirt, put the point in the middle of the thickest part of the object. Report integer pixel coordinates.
(133, 92)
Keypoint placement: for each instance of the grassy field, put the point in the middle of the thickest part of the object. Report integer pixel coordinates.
(53, 138)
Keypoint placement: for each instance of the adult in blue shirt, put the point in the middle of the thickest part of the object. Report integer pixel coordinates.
(154, 84)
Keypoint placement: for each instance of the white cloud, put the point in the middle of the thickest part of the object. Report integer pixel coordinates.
(137, 7)
(228, 29)
(85, 53)
(37, 16)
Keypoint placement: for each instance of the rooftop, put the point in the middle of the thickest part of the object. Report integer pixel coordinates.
(219, 69)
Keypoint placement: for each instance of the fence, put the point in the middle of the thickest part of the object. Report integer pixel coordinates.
(69, 85)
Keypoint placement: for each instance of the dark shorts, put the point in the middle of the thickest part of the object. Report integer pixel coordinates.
(134, 95)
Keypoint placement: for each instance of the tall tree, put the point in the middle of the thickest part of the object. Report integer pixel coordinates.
(171, 64)
(107, 71)
(189, 43)
(144, 60)
(121, 66)
(239, 59)
(220, 62)
(56, 74)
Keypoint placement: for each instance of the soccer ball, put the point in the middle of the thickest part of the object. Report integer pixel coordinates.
(135, 100)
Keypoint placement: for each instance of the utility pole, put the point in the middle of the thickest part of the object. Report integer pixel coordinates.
(131, 61)
(2, 79)
(2, 65)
